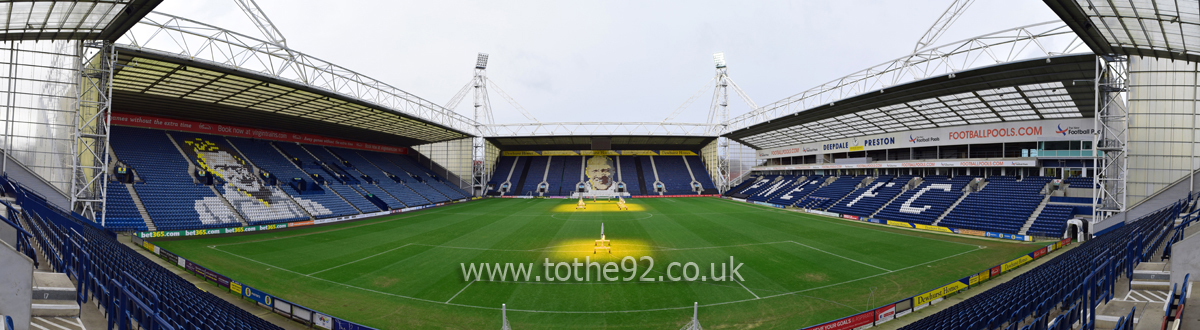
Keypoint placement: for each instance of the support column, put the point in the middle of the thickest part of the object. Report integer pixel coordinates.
(93, 109)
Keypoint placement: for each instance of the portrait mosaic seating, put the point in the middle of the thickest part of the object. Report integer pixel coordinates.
(173, 170)
(563, 174)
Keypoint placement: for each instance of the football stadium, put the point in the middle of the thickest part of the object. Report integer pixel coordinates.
(161, 172)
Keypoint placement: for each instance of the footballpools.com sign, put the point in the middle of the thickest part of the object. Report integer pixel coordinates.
(1024, 131)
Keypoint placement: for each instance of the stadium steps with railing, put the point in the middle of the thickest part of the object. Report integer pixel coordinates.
(137, 201)
(951, 208)
(1033, 217)
(53, 295)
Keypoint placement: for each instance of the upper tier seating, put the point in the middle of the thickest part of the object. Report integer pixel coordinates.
(700, 172)
(397, 190)
(264, 155)
(1004, 205)
(236, 181)
(1080, 182)
(825, 196)
(169, 193)
(925, 203)
(121, 212)
(674, 174)
(865, 201)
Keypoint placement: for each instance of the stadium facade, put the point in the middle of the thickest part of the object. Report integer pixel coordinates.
(1101, 130)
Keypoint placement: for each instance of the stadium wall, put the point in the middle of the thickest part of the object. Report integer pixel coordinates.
(450, 159)
(1163, 140)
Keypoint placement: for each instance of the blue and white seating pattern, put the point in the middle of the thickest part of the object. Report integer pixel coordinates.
(828, 195)
(925, 203)
(169, 193)
(1003, 205)
(402, 193)
(1052, 222)
(674, 174)
(798, 190)
(865, 201)
(263, 154)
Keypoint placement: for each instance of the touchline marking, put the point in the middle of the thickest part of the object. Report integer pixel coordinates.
(774, 210)
(460, 291)
(840, 256)
(326, 231)
(747, 289)
(589, 312)
(364, 258)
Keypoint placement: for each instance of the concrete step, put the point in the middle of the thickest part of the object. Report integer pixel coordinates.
(57, 323)
(43, 307)
(1150, 285)
(1152, 275)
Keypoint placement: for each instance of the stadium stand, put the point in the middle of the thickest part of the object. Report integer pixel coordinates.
(263, 155)
(383, 180)
(412, 181)
(1052, 222)
(1003, 205)
(646, 173)
(312, 166)
(256, 202)
(629, 175)
(1057, 294)
(572, 169)
(831, 193)
(554, 175)
(1080, 182)
(438, 190)
(169, 193)
(700, 172)
(801, 187)
(674, 174)
(363, 185)
(537, 171)
(132, 290)
(120, 211)
(925, 203)
(865, 201)
(770, 187)
(500, 173)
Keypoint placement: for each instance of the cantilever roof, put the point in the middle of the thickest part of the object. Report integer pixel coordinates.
(159, 84)
(1056, 87)
(1166, 28)
(70, 20)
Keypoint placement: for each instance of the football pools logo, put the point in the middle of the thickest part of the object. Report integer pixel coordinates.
(922, 139)
(1073, 130)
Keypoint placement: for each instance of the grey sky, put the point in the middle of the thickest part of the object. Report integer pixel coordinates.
(611, 60)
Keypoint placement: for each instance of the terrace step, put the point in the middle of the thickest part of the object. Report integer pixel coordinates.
(951, 208)
(137, 201)
(1033, 217)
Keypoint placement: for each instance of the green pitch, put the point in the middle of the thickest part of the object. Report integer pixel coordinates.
(407, 271)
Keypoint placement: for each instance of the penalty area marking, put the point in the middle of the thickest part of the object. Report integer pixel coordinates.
(460, 291)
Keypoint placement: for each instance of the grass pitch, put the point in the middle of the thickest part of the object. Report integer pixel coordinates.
(406, 271)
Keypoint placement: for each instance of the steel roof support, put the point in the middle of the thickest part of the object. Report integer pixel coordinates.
(1109, 142)
(93, 108)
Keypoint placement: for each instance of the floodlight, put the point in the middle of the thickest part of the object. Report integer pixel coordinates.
(481, 61)
(719, 58)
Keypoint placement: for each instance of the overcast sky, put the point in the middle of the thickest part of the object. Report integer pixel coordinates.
(609, 60)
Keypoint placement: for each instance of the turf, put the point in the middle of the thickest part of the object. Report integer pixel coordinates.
(403, 271)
